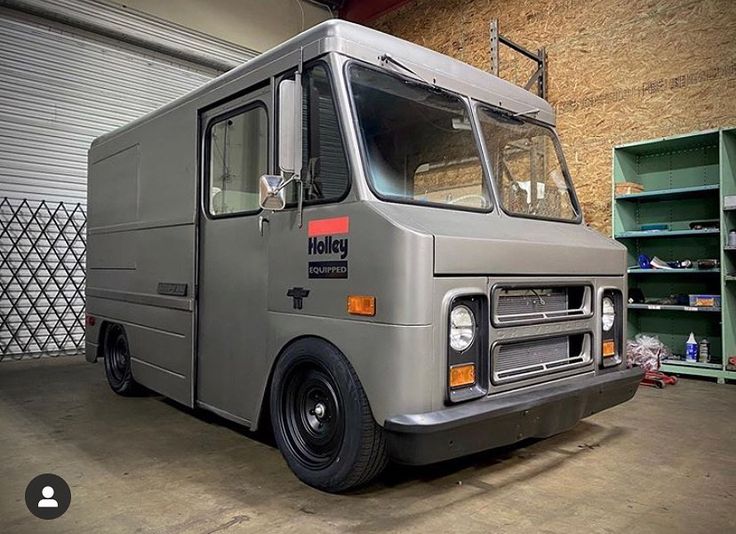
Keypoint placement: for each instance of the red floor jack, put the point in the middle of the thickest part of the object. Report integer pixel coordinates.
(658, 379)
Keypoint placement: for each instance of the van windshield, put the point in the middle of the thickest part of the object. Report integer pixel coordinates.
(418, 142)
(525, 160)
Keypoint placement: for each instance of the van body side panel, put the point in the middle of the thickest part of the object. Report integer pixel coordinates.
(373, 255)
(141, 246)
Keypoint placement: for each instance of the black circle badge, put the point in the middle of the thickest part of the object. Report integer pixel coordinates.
(48, 496)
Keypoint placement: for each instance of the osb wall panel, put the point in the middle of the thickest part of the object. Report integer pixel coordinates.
(619, 70)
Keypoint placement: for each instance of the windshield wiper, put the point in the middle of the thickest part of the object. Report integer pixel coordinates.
(529, 112)
(386, 58)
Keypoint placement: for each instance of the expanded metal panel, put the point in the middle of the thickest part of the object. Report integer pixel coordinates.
(520, 360)
(532, 301)
(58, 91)
(531, 354)
(42, 276)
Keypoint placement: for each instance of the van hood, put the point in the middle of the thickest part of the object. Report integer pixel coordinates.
(468, 243)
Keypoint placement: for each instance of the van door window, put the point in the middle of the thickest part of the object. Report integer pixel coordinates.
(325, 170)
(238, 156)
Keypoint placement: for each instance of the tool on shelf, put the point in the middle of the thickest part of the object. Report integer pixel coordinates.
(702, 225)
(704, 351)
(628, 188)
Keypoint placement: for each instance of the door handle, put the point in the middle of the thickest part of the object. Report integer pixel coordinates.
(261, 221)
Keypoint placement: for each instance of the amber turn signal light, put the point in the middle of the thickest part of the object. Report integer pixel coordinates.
(609, 348)
(361, 305)
(462, 375)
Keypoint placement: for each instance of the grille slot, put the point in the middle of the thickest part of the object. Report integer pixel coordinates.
(530, 305)
(525, 359)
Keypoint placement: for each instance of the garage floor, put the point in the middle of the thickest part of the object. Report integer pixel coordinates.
(664, 462)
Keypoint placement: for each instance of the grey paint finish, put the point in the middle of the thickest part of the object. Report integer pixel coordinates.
(352, 40)
(474, 243)
(378, 250)
(412, 259)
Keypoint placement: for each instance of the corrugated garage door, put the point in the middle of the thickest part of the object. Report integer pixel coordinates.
(60, 87)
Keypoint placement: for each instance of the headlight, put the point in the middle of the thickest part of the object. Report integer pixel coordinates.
(608, 314)
(462, 328)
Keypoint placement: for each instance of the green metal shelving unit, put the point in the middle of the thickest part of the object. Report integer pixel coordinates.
(685, 179)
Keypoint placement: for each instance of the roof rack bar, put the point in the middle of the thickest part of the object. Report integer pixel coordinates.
(540, 58)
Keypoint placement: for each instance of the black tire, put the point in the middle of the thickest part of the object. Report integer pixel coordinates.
(338, 446)
(117, 361)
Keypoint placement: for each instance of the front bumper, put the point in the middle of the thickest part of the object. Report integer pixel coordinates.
(496, 421)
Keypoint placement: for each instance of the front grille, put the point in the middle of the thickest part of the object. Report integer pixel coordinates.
(530, 305)
(526, 359)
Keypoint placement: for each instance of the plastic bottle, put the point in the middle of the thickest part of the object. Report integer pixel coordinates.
(704, 351)
(691, 348)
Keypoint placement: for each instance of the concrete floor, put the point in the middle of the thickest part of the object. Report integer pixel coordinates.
(664, 462)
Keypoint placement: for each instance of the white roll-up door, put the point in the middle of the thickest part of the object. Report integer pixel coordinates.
(59, 90)
(71, 70)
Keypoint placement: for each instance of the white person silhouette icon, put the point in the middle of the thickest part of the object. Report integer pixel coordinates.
(47, 501)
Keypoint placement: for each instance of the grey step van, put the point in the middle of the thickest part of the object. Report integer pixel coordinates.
(370, 246)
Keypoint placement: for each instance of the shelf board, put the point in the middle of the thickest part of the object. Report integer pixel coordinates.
(637, 270)
(667, 233)
(668, 366)
(731, 278)
(672, 307)
(671, 194)
(685, 363)
(727, 247)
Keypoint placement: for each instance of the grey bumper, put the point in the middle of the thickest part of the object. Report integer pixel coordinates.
(501, 420)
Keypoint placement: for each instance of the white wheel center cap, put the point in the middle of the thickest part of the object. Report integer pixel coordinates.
(319, 410)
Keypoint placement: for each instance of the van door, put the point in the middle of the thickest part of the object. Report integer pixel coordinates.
(233, 268)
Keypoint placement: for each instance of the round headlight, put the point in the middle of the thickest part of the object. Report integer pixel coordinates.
(462, 328)
(608, 313)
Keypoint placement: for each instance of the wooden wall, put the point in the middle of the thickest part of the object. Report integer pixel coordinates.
(619, 70)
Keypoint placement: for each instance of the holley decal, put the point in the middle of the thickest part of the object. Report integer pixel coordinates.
(325, 239)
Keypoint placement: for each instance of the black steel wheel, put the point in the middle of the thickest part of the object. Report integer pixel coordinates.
(311, 411)
(321, 418)
(117, 361)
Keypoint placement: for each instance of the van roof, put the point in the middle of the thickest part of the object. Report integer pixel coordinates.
(354, 40)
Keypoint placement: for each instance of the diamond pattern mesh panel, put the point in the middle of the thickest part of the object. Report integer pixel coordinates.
(42, 278)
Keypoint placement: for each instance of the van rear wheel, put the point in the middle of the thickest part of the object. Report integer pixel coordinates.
(117, 361)
(322, 421)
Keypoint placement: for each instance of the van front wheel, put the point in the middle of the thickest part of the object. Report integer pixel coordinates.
(322, 421)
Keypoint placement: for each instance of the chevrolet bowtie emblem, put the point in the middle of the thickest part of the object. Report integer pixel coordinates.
(298, 294)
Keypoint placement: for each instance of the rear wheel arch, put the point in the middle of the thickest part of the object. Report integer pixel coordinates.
(115, 351)
(101, 338)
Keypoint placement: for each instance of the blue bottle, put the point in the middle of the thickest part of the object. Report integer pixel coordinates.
(691, 349)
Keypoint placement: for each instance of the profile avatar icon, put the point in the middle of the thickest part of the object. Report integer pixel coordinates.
(47, 501)
(48, 496)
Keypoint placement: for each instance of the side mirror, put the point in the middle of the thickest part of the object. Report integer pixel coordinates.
(271, 192)
(290, 131)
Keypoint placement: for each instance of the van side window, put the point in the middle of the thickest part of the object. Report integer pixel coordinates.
(238, 156)
(325, 170)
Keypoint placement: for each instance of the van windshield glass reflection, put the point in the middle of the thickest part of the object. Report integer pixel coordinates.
(525, 160)
(418, 141)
